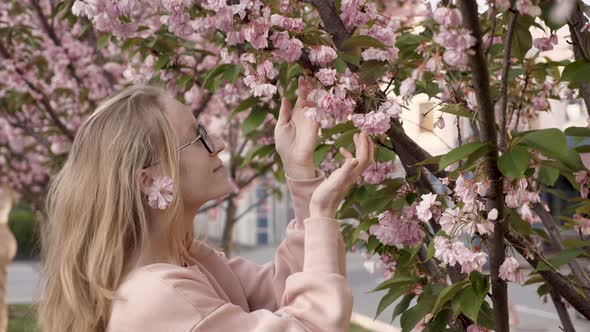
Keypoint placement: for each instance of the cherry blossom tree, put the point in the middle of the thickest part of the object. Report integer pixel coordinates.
(437, 228)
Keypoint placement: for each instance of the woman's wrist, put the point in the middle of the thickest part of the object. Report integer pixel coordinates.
(300, 172)
(322, 212)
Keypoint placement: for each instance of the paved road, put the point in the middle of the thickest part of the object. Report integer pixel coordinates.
(532, 313)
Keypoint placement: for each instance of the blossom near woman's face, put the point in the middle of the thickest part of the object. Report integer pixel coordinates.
(202, 175)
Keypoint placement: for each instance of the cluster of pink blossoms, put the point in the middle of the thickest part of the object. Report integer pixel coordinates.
(257, 80)
(583, 224)
(545, 44)
(518, 197)
(451, 253)
(456, 40)
(377, 172)
(377, 122)
(510, 270)
(333, 106)
(402, 229)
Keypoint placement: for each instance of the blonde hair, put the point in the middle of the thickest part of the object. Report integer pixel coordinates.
(96, 212)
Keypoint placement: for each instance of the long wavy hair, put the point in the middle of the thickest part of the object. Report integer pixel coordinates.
(96, 213)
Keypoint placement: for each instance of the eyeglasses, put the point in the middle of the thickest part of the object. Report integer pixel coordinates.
(202, 135)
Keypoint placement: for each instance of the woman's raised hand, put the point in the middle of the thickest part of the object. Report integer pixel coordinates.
(328, 195)
(296, 135)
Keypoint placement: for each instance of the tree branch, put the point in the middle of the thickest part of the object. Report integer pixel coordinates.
(580, 46)
(44, 101)
(556, 240)
(564, 316)
(504, 80)
(555, 279)
(494, 198)
(53, 36)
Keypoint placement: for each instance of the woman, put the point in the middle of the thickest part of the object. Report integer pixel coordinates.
(119, 252)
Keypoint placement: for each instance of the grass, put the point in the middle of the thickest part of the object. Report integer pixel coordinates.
(21, 318)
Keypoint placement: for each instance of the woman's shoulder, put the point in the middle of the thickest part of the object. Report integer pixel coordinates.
(158, 294)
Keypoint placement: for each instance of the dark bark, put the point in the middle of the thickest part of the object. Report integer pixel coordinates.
(494, 197)
(228, 229)
(556, 241)
(555, 279)
(564, 316)
(505, 69)
(581, 45)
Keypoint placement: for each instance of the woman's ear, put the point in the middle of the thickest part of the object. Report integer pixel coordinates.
(144, 179)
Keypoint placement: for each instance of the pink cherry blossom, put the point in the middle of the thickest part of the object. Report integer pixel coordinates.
(326, 76)
(583, 224)
(510, 270)
(393, 229)
(545, 44)
(160, 192)
(322, 55)
(256, 33)
(289, 49)
(372, 53)
(448, 17)
(477, 328)
(377, 172)
(423, 210)
(526, 7)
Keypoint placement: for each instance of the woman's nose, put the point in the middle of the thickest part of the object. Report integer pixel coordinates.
(219, 144)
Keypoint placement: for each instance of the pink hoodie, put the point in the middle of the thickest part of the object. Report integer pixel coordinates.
(303, 289)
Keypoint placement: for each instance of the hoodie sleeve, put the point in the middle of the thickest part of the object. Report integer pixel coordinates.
(318, 298)
(289, 256)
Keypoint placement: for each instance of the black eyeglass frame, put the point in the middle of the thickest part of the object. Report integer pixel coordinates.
(202, 135)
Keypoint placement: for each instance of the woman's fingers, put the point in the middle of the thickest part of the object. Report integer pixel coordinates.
(285, 112)
(362, 150)
(345, 153)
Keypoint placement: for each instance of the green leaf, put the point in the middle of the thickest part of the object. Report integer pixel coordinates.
(561, 258)
(370, 71)
(517, 223)
(162, 62)
(254, 120)
(210, 80)
(103, 40)
(577, 131)
(412, 316)
(410, 41)
(486, 317)
(471, 302)
(259, 151)
(350, 58)
(402, 306)
(459, 153)
(362, 41)
(550, 142)
(548, 175)
(389, 298)
(576, 72)
(457, 109)
(232, 73)
(439, 321)
(396, 281)
(184, 81)
(513, 163)
(447, 294)
(522, 40)
(320, 153)
(243, 106)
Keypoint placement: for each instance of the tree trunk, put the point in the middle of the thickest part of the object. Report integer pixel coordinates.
(228, 230)
(7, 252)
(494, 197)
